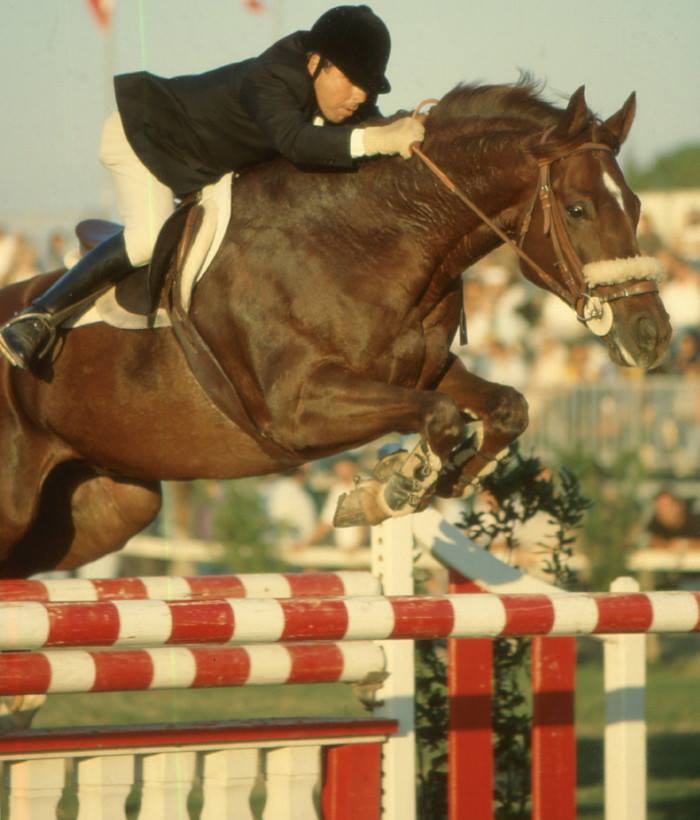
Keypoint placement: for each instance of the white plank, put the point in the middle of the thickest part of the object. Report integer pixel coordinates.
(35, 788)
(104, 784)
(228, 781)
(292, 774)
(392, 563)
(166, 783)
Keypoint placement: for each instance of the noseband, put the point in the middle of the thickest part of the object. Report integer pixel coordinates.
(588, 298)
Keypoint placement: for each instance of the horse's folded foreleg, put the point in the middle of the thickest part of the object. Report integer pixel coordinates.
(337, 399)
(337, 406)
(504, 415)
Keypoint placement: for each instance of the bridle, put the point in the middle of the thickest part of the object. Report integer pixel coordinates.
(588, 300)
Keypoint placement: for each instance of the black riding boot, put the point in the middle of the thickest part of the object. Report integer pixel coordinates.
(32, 331)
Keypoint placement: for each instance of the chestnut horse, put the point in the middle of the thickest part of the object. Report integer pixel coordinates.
(336, 295)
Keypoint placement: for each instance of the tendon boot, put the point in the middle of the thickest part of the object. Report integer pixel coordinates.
(31, 333)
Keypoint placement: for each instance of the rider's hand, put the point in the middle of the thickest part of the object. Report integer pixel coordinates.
(395, 138)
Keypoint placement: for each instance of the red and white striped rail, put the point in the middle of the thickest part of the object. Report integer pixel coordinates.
(71, 670)
(31, 625)
(168, 588)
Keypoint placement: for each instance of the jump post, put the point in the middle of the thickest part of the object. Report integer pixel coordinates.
(129, 634)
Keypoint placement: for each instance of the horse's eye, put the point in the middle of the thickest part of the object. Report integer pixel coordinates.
(576, 211)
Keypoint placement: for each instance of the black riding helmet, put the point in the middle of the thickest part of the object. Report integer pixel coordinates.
(357, 42)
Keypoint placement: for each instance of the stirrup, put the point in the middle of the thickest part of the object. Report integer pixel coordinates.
(44, 319)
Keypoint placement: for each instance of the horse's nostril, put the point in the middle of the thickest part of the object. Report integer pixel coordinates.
(646, 333)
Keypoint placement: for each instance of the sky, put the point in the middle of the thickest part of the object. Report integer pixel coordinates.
(56, 68)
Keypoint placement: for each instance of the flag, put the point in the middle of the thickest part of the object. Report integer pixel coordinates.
(254, 5)
(102, 11)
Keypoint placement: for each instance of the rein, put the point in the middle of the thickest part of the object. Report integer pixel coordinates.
(588, 302)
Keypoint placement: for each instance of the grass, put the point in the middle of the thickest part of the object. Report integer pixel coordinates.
(673, 733)
(332, 700)
(673, 720)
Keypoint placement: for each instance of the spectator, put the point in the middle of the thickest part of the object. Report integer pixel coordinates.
(347, 539)
(687, 243)
(680, 292)
(650, 243)
(8, 253)
(18, 259)
(674, 525)
(291, 507)
(56, 250)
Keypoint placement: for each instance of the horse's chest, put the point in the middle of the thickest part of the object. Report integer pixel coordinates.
(417, 357)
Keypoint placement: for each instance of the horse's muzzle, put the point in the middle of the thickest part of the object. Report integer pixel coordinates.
(640, 342)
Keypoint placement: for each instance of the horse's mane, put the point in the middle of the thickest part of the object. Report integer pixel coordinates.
(468, 121)
(495, 108)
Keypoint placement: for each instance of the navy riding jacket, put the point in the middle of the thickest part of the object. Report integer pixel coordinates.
(190, 130)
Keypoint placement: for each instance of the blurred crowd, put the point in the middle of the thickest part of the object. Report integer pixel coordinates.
(522, 336)
(20, 259)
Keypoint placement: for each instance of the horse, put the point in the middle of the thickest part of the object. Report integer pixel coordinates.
(331, 305)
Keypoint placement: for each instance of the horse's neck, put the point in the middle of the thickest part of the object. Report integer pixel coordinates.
(465, 238)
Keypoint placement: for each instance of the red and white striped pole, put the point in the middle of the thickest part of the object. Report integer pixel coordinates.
(70, 670)
(31, 625)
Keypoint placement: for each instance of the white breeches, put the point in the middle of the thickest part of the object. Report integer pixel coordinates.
(144, 202)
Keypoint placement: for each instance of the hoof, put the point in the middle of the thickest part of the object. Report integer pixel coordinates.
(451, 479)
(402, 483)
(390, 464)
(361, 506)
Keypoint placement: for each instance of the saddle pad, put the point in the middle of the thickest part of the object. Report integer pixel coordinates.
(121, 307)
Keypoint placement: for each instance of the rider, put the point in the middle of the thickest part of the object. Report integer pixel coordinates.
(174, 136)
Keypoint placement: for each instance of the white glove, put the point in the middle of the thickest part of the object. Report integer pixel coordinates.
(395, 138)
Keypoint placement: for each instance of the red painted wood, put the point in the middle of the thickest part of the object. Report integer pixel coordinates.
(352, 782)
(314, 584)
(306, 620)
(623, 612)
(418, 618)
(211, 732)
(23, 591)
(217, 586)
(195, 620)
(132, 669)
(469, 741)
(230, 668)
(315, 662)
(528, 614)
(119, 589)
(82, 624)
(302, 585)
(553, 728)
(24, 673)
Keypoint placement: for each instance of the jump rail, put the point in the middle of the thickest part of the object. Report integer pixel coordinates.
(26, 625)
(165, 588)
(179, 639)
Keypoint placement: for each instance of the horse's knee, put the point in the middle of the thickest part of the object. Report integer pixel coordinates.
(508, 412)
(444, 425)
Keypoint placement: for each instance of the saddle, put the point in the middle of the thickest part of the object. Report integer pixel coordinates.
(188, 241)
(160, 295)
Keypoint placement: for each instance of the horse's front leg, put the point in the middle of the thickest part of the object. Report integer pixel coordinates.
(504, 414)
(338, 407)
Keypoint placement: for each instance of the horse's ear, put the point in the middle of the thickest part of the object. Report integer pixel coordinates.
(575, 118)
(621, 122)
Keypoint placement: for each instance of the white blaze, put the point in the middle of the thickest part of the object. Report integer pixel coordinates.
(614, 189)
